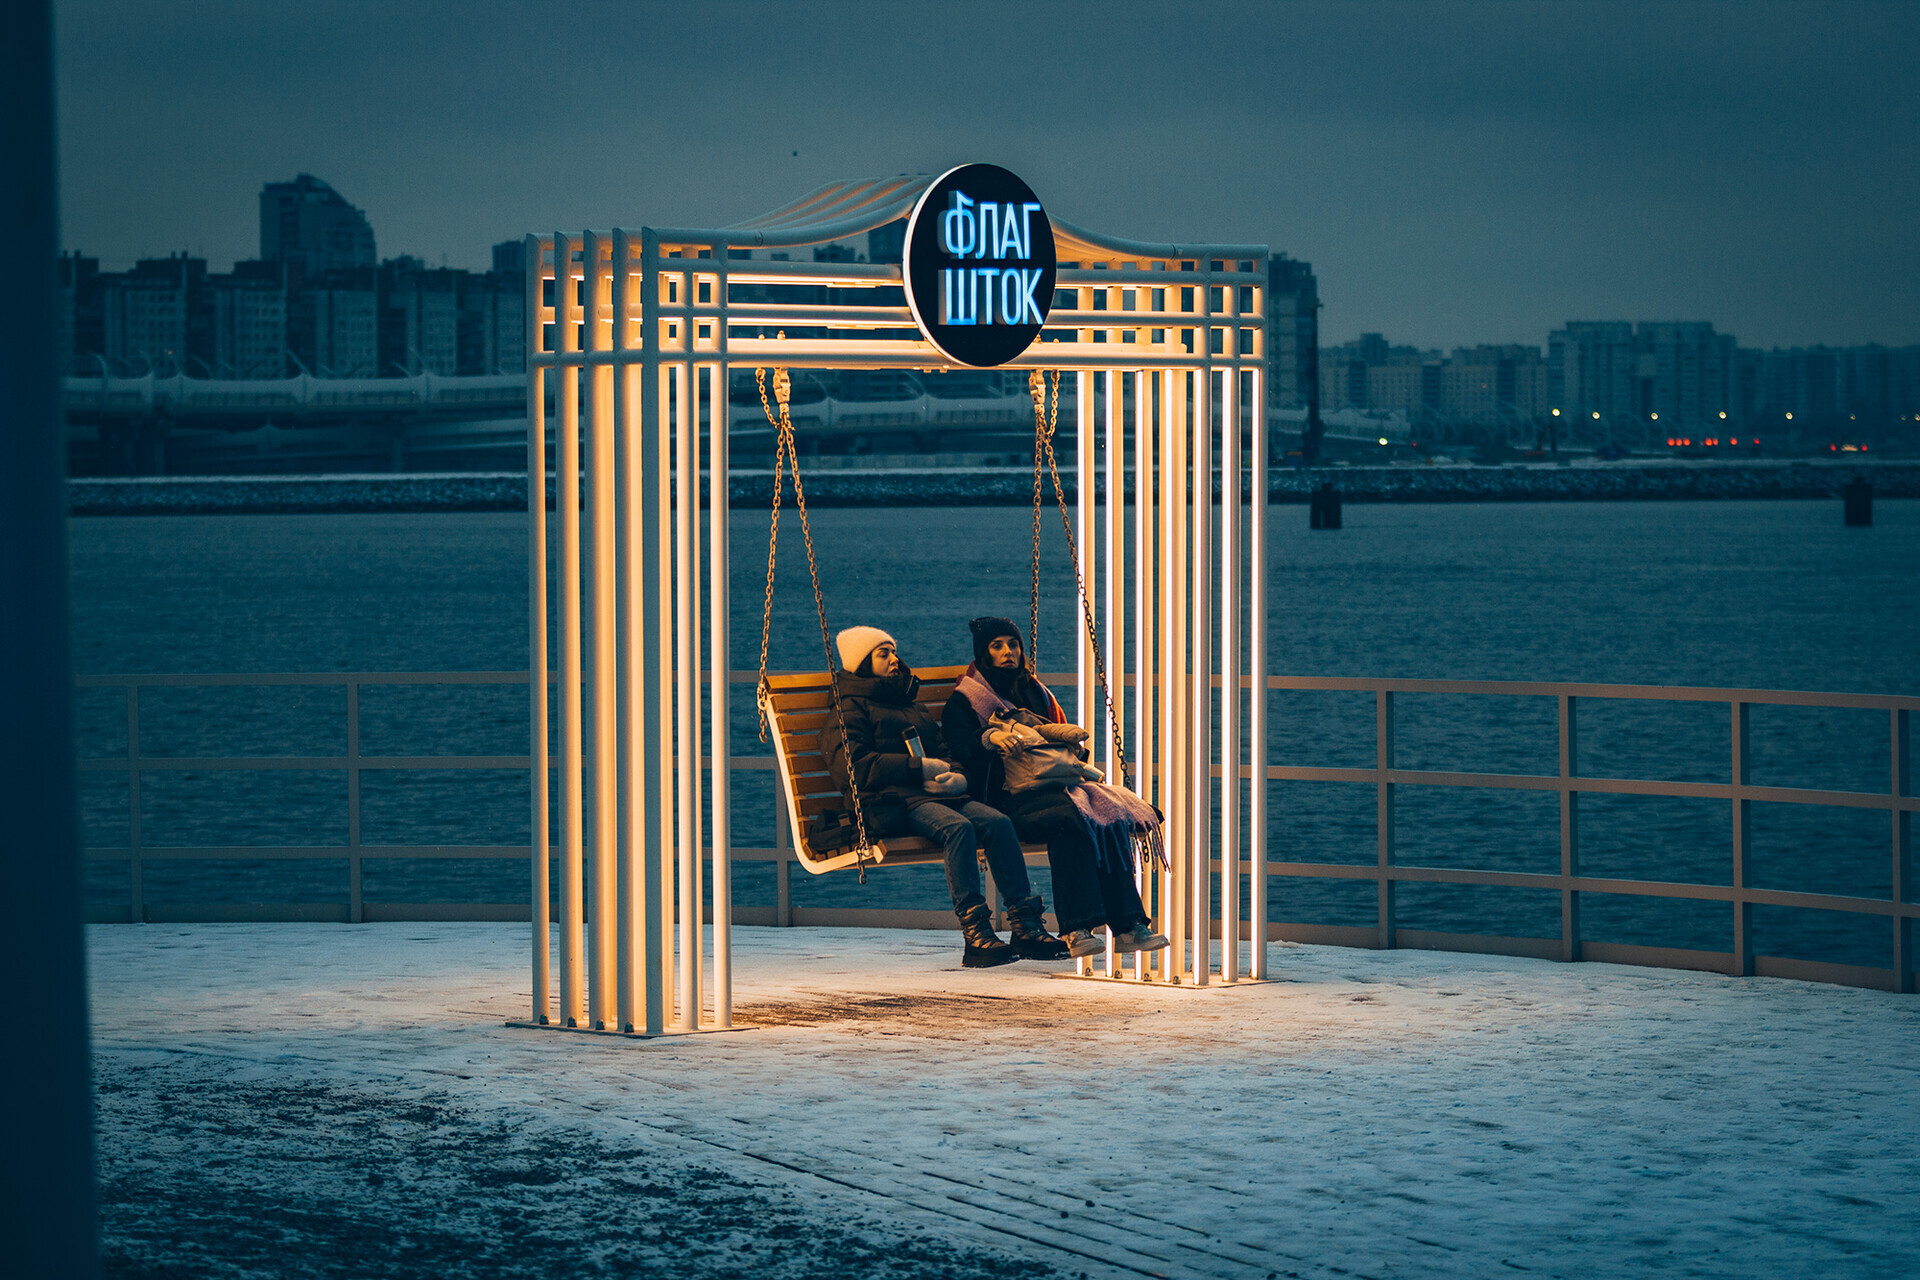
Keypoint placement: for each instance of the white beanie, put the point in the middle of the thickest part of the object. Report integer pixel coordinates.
(855, 643)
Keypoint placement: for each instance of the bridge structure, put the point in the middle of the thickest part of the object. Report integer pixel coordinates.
(156, 425)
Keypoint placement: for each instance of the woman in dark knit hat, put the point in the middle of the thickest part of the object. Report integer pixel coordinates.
(1088, 830)
(892, 750)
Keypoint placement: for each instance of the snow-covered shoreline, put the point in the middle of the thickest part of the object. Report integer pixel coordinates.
(1636, 481)
(1370, 1113)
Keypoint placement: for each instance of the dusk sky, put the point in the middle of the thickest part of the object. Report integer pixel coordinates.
(1456, 173)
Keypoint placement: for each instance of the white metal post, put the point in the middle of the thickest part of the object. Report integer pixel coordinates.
(630, 686)
(669, 781)
(1257, 667)
(686, 672)
(720, 658)
(1115, 578)
(655, 897)
(1200, 734)
(601, 979)
(1143, 633)
(537, 773)
(1172, 666)
(1229, 672)
(1084, 543)
(573, 1011)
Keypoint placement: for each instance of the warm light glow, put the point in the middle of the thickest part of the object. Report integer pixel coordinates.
(1723, 414)
(1736, 440)
(1596, 415)
(1556, 413)
(1383, 439)
(1656, 417)
(1789, 417)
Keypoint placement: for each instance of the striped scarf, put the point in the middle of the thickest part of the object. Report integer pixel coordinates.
(1119, 822)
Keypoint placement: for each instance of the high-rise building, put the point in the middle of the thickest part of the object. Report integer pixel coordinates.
(1293, 335)
(1647, 381)
(333, 324)
(150, 318)
(310, 225)
(419, 318)
(248, 321)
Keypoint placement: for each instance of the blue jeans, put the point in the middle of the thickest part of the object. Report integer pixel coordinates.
(960, 830)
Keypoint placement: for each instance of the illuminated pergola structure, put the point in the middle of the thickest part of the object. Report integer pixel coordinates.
(635, 347)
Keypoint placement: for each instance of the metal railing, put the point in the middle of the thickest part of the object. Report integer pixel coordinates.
(1387, 872)
(1739, 793)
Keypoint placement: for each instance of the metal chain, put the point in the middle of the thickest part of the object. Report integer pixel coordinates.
(1037, 388)
(1086, 605)
(787, 449)
(773, 537)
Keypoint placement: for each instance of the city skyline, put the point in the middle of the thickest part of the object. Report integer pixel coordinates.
(1459, 174)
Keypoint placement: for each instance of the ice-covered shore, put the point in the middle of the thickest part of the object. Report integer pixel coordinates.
(329, 1100)
(1640, 481)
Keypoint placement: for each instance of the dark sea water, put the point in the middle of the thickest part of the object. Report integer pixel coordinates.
(1747, 595)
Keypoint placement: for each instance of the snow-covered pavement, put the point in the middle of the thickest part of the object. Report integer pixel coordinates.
(319, 1100)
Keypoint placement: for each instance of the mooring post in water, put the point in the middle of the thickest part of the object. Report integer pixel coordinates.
(1858, 499)
(1323, 507)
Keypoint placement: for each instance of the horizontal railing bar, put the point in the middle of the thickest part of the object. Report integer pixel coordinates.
(175, 764)
(1329, 684)
(1593, 884)
(302, 678)
(283, 853)
(1625, 692)
(1593, 786)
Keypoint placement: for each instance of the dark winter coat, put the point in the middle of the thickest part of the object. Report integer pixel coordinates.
(878, 713)
(981, 763)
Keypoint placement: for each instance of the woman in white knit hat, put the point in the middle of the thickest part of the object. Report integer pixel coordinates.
(893, 751)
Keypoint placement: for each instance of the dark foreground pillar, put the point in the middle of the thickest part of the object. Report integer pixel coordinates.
(46, 1199)
(1858, 499)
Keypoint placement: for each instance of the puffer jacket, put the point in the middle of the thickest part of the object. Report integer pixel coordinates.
(962, 727)
(878, 713)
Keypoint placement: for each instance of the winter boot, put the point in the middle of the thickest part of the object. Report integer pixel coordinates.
(1030, 937)
(984, 949)
(1082, 943)
(1140, 938)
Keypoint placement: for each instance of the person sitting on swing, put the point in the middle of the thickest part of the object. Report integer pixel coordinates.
(1000, 722)
(894, 750)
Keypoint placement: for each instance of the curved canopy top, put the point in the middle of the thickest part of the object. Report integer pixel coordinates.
(846, 208)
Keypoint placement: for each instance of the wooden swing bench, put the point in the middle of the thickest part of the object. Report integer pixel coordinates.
(797, 706)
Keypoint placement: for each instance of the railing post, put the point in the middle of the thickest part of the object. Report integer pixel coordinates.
(136, 873)
(1569, 832)
(1383, 767)
(1742, 846)
(356, 906)
(783, 866)
(1901, 785)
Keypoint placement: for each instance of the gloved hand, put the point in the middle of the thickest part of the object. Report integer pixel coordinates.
(1001, 739)
(931, 768)
(951, 783)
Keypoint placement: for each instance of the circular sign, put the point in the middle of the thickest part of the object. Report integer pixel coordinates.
(979, 265)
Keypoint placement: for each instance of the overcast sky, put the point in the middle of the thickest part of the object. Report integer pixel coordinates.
(1455, 172)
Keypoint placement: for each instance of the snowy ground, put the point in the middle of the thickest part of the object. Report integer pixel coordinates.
(288, 1100)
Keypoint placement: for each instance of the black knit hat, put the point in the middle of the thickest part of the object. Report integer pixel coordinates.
(987, 630)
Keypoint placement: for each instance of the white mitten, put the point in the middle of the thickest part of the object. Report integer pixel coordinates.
(932, 767)
(950, 783)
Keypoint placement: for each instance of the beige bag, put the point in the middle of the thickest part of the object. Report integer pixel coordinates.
(1037, 765)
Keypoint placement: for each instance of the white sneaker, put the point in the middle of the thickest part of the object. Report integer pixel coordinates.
(1081, 944)
(1139, 938)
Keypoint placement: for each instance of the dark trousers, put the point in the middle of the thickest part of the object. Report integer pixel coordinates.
(1085, 896)
(962, 828)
